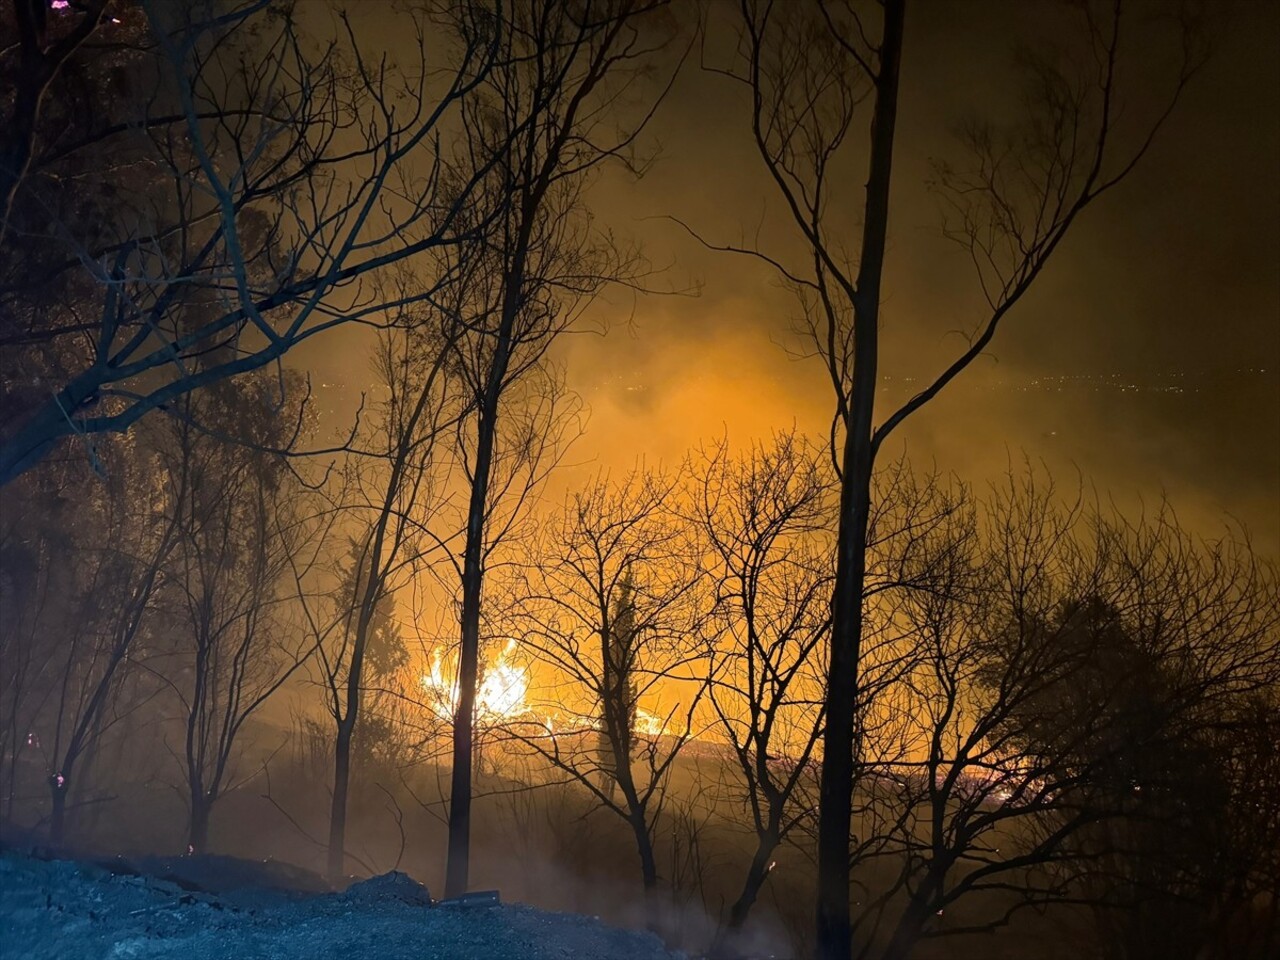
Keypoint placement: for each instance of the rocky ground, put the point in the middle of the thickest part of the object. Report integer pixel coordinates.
(209, 908)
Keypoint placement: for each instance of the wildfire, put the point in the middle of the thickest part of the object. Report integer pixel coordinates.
(503, 696)
(650, 723)
(504, 685)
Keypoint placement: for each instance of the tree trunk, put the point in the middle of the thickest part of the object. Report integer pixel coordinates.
(648, 870)
(618, 734)
(907, 931)
(58, 787)
(458, 869)
(835, 798)
(726, 943)
(644, 846)
(458, 872)
(338, 809)
(198, 828)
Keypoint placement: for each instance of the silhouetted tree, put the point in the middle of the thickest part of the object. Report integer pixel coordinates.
(1175, 642)
(255, 175)
(556, 101)
(233, 645)
(613, 606)
(390, 495)
(808, 70)
(119, 570)
(767, 522)
(1047, 739)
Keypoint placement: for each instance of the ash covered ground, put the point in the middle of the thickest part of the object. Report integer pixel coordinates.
(203, 908)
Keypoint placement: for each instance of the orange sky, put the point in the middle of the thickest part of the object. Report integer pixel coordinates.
(1162, 309)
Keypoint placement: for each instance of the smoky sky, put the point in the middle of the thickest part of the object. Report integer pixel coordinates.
(1146, 361)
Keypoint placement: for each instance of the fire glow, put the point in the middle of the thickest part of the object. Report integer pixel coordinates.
(502, 697)
(504, 685)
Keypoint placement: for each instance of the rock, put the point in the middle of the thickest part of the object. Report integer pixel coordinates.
(476, 898)
(388, 886)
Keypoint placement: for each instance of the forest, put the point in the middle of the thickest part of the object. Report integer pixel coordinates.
(805, 692)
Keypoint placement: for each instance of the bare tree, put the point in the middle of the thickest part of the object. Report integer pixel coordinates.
(808, 72)
(612, 606)
(263, 216)
(1180, 637)
(770, 521)
(559, 93)
(951, 803)
(1032, 724)
(119, 570)
(767, 521)
(233, 646)
(384, 508)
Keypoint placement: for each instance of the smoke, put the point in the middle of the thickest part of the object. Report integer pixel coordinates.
(1172, 282)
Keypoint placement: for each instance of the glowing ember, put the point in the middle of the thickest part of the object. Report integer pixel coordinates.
(503, 687)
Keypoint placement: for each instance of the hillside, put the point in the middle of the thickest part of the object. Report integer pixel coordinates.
(217, 907)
